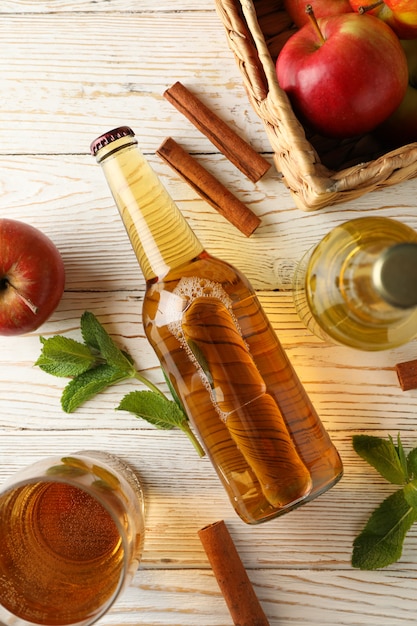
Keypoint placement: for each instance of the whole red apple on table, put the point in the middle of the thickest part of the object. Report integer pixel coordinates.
(296, 9)
(401, 127)
(401, 15)
(32, 277)
(345, 77)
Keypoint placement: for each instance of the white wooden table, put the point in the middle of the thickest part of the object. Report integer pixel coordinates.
(70, 70)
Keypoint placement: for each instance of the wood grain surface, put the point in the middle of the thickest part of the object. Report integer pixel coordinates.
(68, 72)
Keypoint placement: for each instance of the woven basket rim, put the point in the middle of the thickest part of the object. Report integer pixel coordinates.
(312, 184)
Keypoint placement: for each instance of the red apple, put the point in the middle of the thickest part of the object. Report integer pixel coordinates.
(344, 74)
(401, 15)
(32, 277)
(401, 127)
(296, 9)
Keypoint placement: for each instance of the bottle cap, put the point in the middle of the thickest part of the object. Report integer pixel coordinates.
(395, 275)
(111, 135)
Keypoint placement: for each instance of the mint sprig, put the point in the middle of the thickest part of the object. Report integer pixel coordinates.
(158, 410)
(381, 541)
(98, 363)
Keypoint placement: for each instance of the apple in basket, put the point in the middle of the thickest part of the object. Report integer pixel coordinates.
(296, 9)
(401, 127)
(32, 277)
(401, 15)
(343, 74)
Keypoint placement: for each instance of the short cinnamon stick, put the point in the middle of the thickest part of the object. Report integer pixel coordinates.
(208, 187)
(238, 151)
(407, 374)
(231, 576)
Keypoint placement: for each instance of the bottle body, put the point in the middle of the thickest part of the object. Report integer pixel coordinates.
(218, 349)
(335, 292)
(240, 392)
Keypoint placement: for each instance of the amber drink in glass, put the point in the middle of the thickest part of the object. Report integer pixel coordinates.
(71, 535)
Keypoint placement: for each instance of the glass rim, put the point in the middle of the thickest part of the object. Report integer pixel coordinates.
(14, 482)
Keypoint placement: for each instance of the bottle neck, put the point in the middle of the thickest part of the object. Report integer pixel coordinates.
(381, 280)
(160, 236)
(395, 275)
(337, 292)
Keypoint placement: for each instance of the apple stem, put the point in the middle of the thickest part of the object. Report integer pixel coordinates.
(313, 19)
(6, 283)
(368, 7)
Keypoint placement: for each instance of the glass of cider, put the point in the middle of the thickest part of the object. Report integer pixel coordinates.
(71, 537)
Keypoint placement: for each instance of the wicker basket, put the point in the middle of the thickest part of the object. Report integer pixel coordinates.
(319, 172)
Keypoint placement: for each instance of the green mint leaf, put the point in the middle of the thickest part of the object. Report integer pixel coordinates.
(410, 493)
(401, 456)
(98, 363)
(154, 408)
(88, 325)
(97, 337)
(381, 541)
(412, 463)
(129, 359)
(185, 426)
(201, 360)
(382, 455)
(173, 392)
(88, 384)
(62, 356)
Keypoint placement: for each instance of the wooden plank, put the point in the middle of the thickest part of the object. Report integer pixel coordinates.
(351, 390)
(183, 494)
(72, 69)
(67, 197)
(289, 598)
(101, 6)
(113, 69)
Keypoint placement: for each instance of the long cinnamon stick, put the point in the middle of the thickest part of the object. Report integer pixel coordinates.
(208, 187)
(238, 151)
(407, 374)
(231, 576)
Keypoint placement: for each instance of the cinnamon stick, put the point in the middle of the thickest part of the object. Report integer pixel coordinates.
(407, 374)
(238, 151)
(208, 187)
(231, 576)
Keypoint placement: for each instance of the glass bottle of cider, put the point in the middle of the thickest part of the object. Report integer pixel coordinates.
(358, 286)
(219, 351)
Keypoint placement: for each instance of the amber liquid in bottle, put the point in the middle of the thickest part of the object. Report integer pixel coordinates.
(219, 351)
(334, 291)
(61, 554)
